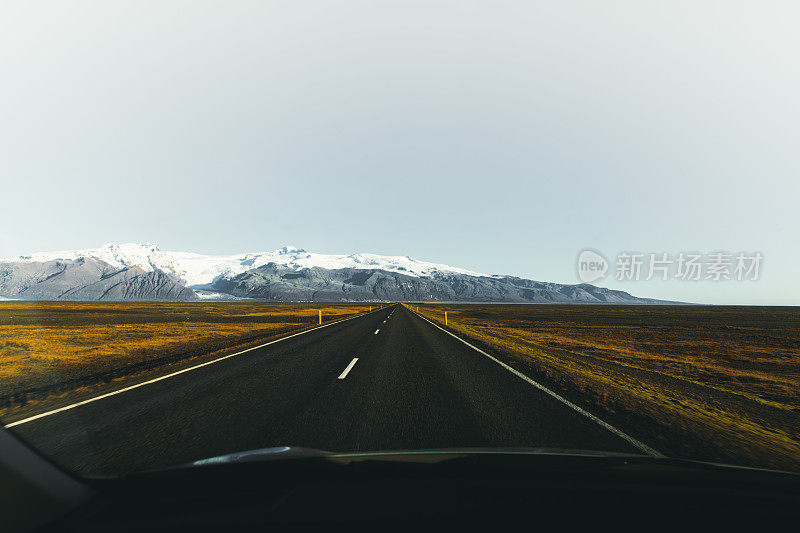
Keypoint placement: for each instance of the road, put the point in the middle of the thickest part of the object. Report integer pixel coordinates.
(385, 380)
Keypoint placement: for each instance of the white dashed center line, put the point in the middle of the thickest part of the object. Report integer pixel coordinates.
(376, 331)
(349, 368)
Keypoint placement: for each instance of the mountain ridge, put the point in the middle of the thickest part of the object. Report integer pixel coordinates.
(199, 269)
(144, 272)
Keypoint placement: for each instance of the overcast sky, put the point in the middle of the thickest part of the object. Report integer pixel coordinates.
(503, 137)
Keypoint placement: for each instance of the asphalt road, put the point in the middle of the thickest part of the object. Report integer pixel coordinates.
(413, 386)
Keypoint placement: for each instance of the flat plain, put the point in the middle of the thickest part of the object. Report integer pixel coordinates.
(701, 382)
(711, 382)
(50, 347)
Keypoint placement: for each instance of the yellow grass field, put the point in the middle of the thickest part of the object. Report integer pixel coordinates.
(53, 344)
(718, 383)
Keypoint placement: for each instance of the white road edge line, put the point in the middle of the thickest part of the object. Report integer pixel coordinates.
(142, 384)
(638, 444)
(349, 367)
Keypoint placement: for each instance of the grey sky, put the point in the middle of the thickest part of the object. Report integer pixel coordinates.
(502, 137)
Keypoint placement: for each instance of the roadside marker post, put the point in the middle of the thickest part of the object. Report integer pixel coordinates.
(320, 316)
(445, 318)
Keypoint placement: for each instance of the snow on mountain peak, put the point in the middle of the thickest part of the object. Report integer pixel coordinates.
(289, 249)
(199, 270)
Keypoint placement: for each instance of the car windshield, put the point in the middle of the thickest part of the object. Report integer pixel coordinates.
(252, 227)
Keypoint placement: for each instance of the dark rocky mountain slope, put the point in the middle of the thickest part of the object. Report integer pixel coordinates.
(87, 279)
(273, 282)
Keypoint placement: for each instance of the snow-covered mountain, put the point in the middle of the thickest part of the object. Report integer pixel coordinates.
(144, 272)
(199, 271)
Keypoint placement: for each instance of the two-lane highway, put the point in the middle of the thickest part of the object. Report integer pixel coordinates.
(385, 380)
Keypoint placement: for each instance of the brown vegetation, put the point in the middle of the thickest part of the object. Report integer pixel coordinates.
(717, 383)
(47, 345)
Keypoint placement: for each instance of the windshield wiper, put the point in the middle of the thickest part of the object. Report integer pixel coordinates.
(297, 452)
